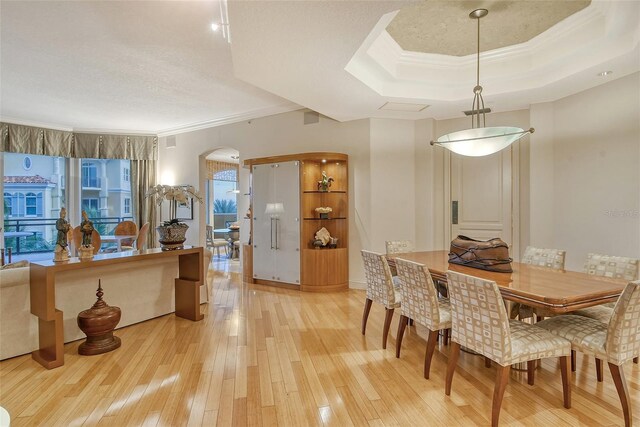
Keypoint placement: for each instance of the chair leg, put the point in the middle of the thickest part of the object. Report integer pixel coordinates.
(531, 371)
(387, 323)
(431, 346)
(566, 384)
(402, 324)
(487, 362)
(451, 367)
(445, 339)
(599, 366)
(621, 385)
(410, 322)
(573, 360)
(365, 315)
(498, 393)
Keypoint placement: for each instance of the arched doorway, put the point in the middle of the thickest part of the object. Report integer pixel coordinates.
(222, 190)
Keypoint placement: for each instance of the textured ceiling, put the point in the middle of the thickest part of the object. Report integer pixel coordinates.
(134, 66)
(444, 27)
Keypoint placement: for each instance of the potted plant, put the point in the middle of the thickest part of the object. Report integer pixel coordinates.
(172, 233)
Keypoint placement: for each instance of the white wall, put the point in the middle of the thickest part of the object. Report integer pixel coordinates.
(393, 212)
(585, 179)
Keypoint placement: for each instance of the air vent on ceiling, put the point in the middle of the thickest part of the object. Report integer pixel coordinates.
(403, 106)
(311, 117)
(482, 111)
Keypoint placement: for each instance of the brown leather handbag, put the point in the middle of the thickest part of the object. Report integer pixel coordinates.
(491, 255)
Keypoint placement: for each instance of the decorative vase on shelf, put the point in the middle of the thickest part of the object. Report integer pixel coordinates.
(172, 234)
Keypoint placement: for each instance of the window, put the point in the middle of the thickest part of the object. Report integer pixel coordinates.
(33, 204)
(125, 175)
(7, 205)
(90, 175)
(26, 163)
(127, 205)
(91, 206)
(17, 205)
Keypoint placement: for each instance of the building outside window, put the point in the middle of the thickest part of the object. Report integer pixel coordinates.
(125, 174)
(90, 204)
(127, 205)
(90, 175)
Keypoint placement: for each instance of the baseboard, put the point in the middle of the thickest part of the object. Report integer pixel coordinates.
(354, 284)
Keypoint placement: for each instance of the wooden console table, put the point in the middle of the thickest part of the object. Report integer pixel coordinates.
(50, 321)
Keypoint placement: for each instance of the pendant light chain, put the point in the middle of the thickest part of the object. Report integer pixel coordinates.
(478, 101)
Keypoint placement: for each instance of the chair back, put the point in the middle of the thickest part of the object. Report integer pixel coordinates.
(398, 246)
(617, 267)
(126, 228)
(379, 283)
(96, 241)
(550, 258)
(209, 237)
(141, 241)
(623, 333)
(479, 319)
(419, 294)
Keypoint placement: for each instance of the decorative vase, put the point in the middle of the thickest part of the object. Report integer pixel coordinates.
(324, 215)
(172, 236)
(98, 324)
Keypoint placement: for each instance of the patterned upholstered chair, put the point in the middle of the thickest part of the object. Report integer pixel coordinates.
(398, 246)
(420, 302)
(380, 289)
(616, 342)
(548, 258)
(615, 267)
(479, 322)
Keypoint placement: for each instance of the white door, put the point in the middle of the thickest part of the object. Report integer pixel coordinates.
(287, 233)
(276, 237)
(481, 196)
(263, 191)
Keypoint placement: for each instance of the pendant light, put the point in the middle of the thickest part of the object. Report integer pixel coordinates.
(480, 140)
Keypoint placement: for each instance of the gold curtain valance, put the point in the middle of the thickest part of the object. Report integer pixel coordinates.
(51, 142)
(214, 166)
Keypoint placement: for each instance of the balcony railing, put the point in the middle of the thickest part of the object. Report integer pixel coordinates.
(36, 244)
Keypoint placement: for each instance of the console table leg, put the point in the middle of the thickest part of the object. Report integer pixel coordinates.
(51, 340)
(188, 299)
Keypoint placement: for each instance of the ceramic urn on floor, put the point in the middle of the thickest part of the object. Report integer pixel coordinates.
(98, 324)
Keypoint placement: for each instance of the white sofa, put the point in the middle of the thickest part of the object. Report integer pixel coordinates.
(143, 290)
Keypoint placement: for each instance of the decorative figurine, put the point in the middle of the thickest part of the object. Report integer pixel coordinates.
(86, 227)
(61, 251)
(322, 238)
(325, 182)
(324, 212)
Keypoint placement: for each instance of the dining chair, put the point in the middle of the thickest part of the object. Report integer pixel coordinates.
(398, 246)
(540, 257)
(380, 289)
(420, 302)
(216, 244)
(615, 267)
(126, 228)
(479, 321)
(617, 342)
(141, 241)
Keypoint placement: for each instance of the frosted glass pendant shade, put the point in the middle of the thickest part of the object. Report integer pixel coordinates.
(481, 141)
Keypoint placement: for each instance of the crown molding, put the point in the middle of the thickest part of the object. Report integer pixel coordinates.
(32, 123)
(234, 118)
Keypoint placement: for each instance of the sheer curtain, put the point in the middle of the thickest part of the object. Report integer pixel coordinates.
(143, 177)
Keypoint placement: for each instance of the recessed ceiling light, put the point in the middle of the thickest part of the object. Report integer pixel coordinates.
(605, 73)
(324, 160)
(215, 27)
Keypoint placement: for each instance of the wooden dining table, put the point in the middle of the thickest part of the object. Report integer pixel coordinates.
(558, 291)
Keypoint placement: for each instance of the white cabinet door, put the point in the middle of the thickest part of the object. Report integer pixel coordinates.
(287, 236)
(276, 237)
(264, 258)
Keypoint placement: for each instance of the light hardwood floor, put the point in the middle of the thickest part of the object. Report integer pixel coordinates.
(266, 356)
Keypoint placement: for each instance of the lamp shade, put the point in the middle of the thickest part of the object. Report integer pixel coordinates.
(481, 141)
(274, 208)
